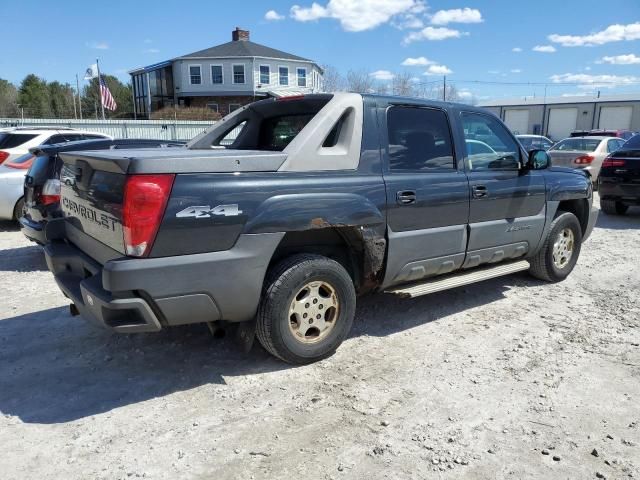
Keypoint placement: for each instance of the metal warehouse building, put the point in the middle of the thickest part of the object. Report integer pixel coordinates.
(556, 117)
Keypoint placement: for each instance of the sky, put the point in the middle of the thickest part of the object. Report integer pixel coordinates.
(487, 49)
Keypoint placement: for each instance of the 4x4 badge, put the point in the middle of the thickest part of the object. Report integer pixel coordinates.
(205, 211)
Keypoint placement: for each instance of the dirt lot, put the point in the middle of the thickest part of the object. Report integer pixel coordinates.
(510, 378)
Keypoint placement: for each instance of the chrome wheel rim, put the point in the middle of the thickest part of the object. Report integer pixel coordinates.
(563, 248)
(313, 312)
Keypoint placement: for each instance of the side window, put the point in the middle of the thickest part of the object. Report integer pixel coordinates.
(499, 149)
(55, 139)
(419, 139)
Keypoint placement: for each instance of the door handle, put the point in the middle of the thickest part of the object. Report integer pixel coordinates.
(406, 197)
(479, 191)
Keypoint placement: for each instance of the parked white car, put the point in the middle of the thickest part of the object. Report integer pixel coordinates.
(15, 160)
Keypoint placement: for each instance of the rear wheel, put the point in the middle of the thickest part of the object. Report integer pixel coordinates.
(17, 210)
(560, 251)
(307, 308)
(612, 207)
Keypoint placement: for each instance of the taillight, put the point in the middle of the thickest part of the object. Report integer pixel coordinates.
(145, 199)
(584, 160)
(612, 162)
(50, 192)
(3, 156)
(21, 162)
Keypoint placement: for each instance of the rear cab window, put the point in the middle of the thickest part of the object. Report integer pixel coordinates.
(419, 139)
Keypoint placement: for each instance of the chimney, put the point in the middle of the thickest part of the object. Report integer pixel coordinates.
(240, 35)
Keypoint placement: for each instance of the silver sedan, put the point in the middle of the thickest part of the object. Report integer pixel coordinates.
(586, 153)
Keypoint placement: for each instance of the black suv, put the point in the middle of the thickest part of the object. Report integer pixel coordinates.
(620, 179)
(42, 182)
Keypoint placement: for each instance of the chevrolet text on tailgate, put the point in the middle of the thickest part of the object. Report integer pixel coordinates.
(276, 218)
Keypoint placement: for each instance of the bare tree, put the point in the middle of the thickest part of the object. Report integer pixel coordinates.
(332, 81)
(402, 84)
(359, 81)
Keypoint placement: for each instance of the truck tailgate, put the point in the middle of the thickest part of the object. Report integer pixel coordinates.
(91, 201)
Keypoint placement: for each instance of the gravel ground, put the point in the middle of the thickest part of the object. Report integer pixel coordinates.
(511, 378)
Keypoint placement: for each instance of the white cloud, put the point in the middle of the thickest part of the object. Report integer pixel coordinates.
(273, 16)
(516, 70)
(630, 59)
(613, 33)
(493, 72)
(152, 50)
(457, 15)
(357, 16)
(438, 70)
(382, 75)
(98, 45)
(516, 49)
(585, 80)
(147, 40)
(434, 34)
(417, 62)
(587, 68)
(465, 95)
(544, 48)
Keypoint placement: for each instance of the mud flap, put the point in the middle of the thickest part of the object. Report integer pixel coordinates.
(245, 333)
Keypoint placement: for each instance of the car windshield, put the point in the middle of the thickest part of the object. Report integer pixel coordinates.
(11, 140)
(578, 144)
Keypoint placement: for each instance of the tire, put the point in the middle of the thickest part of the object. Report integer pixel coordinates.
(611, 207)
(543, 265)
(287, 335)
(17, 210)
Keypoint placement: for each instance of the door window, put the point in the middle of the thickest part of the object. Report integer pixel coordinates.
(419, 139)
(499, 151)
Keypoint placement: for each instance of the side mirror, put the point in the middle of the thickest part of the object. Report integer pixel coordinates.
(538, 160)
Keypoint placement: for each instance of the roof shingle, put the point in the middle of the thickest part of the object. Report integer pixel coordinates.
(242, 48)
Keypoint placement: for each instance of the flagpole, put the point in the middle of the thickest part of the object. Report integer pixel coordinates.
(100, 89)
(78, 91)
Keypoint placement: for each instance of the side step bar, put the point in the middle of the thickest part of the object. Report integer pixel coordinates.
(458, 279)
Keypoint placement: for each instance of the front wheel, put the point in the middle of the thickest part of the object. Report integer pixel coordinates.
(307, 308)
(560, 250)
(611, 207)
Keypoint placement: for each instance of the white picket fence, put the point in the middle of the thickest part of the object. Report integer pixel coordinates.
(155, 129)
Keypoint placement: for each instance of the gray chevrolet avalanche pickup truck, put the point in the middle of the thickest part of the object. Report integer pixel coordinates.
(277, 217)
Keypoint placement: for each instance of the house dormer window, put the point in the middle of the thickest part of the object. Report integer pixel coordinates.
(195, 74)
(302, 77)
(265, 74)
(283, 74)
(238, 74)
(216, 74)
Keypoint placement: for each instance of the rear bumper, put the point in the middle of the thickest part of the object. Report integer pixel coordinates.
(145, 295)
(625, 192)
(34, 231)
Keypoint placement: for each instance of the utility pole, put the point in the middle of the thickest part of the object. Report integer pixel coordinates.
(75, 110)
(444, 88)
(79, 100)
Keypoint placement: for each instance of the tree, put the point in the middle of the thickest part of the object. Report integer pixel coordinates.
(34, 97)
(61, 98)
(8, 99)
(403, 84)
(121, 94)
(359, 81)
(332, 81)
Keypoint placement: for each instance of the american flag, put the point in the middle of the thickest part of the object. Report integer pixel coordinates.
(107, 99)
